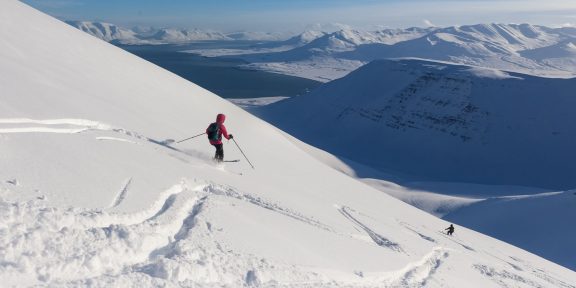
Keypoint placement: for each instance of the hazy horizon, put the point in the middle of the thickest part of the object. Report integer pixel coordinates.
(298, 15)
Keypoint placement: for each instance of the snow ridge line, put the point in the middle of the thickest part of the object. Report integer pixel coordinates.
(258, 201)
(377, 238)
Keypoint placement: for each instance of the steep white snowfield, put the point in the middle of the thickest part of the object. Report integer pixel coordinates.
(450, 123)
(90, 197)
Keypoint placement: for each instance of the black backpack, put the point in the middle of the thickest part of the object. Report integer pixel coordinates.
(213, 132)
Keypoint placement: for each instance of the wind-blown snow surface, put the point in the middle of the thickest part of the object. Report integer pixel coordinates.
(90, 197)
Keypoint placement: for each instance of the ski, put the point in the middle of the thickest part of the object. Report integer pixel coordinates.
(237, 160)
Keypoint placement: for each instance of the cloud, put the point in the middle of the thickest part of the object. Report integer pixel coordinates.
(328, 27)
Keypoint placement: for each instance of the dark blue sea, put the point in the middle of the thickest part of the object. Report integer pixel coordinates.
(221, 75)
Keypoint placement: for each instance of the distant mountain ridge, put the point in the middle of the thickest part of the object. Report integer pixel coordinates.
(522, 48)
(106, 31)
(474, 41)
(170, 35)
(139, 35)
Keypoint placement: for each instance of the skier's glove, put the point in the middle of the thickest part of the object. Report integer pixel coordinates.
(231, 137)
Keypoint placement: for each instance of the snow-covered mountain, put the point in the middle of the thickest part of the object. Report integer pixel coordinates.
(480, 40)
(494, 45)
(317, 59)
(115, 34)
(499, 46)
(561, 55)
(106, 31)
(90, 195)
(349, 40)
(456, 123)
(294, 41)
(171, 35)
(449, 123)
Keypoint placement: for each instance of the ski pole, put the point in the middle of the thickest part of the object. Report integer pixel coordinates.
(243, 153)
(191, 137)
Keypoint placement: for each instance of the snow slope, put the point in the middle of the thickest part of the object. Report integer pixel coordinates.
(546, 217)
(561, 55)
(90, 197)
(450, 122)
(439, 122)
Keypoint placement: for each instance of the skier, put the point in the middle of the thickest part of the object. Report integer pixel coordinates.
(215, 132)
(450, 230)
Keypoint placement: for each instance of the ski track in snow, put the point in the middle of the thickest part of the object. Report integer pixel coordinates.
(505, 278)
(63, 126)
(115, 139)
(377, 238)
(409, 227)
(454, 239)
(418, 273)
(122, 194)
(98, 244)
(157, 242)
(89, 250)
(258, 201)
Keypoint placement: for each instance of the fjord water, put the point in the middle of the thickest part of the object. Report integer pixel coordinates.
(222, 76)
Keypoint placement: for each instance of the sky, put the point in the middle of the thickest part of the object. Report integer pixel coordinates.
(298, 15)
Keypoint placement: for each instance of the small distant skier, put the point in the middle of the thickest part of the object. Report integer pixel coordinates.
(215, 132)
(450, 230)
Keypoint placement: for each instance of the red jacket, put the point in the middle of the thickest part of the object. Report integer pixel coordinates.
(222, 131)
